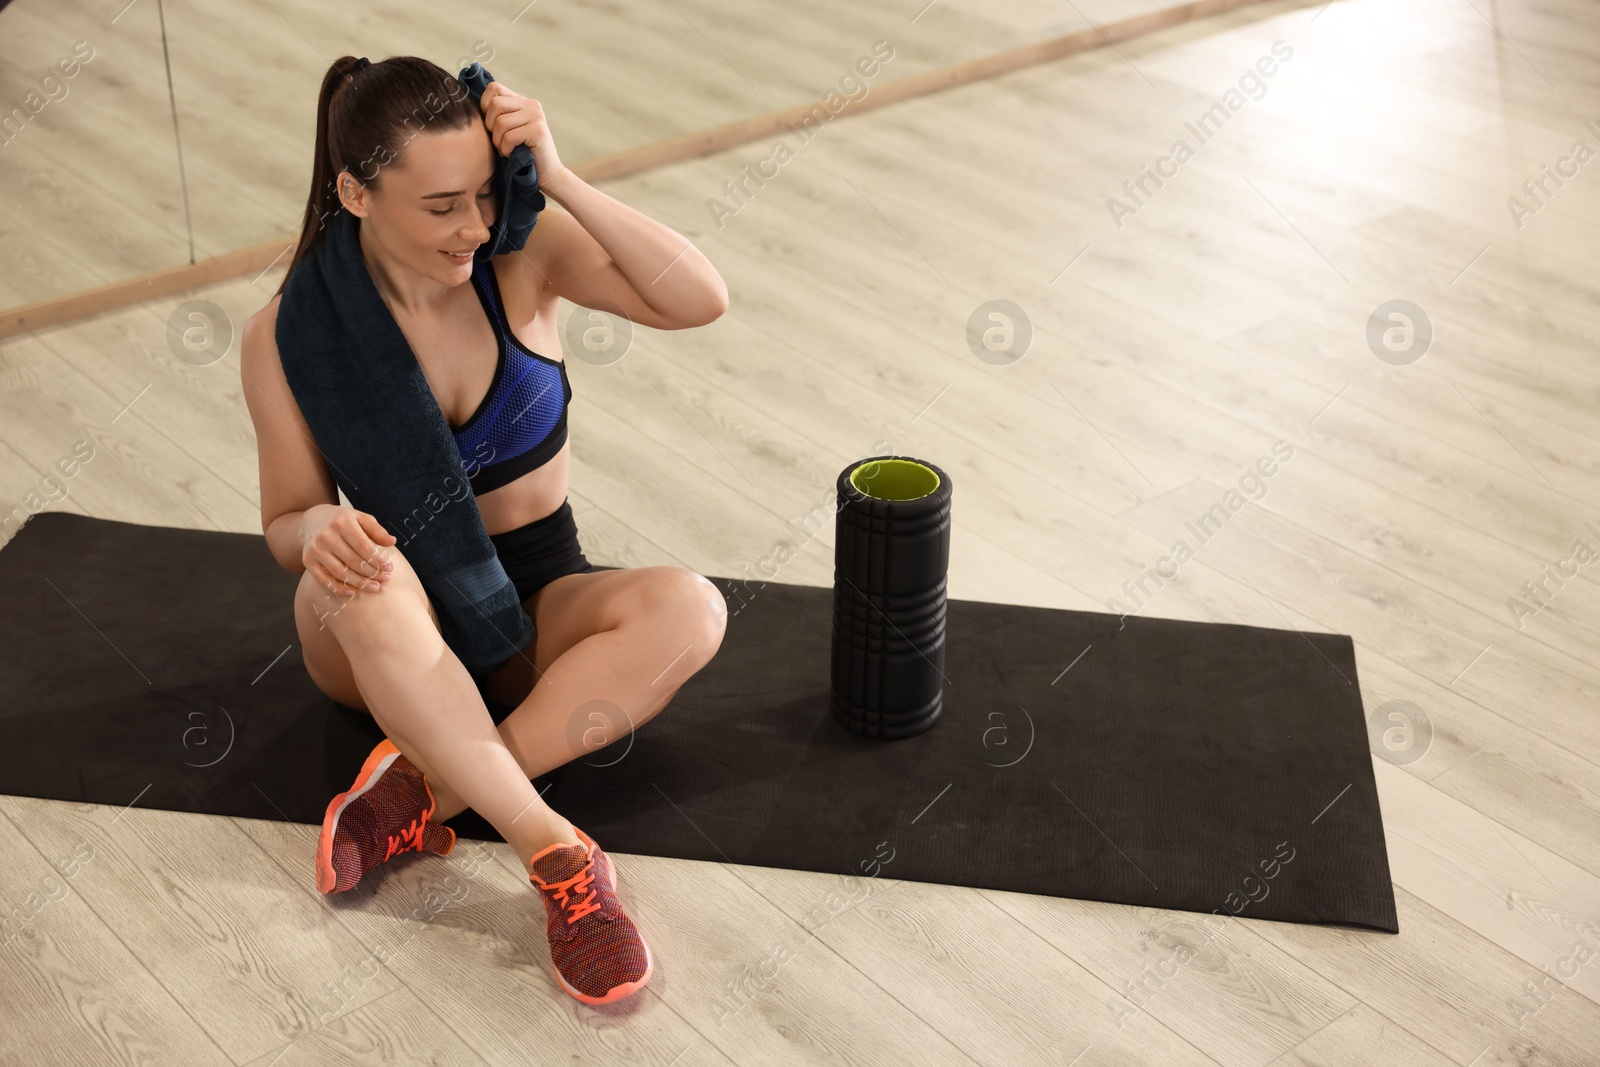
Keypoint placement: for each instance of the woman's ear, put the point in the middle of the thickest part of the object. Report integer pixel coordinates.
(352, 194)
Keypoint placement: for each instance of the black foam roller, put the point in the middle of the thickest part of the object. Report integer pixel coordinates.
(891, 560)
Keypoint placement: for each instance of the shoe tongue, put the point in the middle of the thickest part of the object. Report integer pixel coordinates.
(561, 863)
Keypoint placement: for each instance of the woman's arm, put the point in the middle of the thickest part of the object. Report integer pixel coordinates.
(607, 255)
(600, 252)
(294, 478)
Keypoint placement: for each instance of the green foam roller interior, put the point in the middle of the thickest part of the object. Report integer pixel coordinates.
(894, 479)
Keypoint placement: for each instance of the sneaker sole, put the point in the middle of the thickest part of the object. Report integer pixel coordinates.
(376, 763)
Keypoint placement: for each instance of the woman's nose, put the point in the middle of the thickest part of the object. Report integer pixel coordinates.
(479, 221)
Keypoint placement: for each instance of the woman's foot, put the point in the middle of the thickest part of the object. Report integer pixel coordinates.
(598, 952)
(387, 811)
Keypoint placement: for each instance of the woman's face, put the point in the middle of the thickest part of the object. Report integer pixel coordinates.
(432, 201)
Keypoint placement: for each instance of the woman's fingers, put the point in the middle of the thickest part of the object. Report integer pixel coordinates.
(336, 556)
(355, 572)
(348, 555)
(350, 540)
(333, 585)
(366, 536)
(374, 566)
(505, 113)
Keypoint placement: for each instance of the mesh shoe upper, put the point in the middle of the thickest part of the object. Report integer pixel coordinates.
(392, 815)
(598, 951)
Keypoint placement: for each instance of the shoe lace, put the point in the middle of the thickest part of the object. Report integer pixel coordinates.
(408, 839)
(566, 892)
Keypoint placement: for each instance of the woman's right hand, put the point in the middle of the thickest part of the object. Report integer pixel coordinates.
(343, 549)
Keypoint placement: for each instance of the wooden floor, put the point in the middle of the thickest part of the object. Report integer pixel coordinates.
(122, 172)
(1229, 312)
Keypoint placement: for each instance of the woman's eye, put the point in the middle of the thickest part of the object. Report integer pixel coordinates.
(446, 211)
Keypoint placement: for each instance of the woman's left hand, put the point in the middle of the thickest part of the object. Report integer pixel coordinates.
(513, 119)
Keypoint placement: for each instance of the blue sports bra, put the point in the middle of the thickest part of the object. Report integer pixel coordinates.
(522, 421)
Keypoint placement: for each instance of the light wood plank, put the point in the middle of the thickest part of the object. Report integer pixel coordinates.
(956, 958)
(213, 919)
(75, 994)
(1492, 880)
(1453, 989)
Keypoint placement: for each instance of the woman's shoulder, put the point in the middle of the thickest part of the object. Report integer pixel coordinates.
(259, 341)
(267, 316)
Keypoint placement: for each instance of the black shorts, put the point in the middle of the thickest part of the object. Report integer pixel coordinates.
(534, 555)
(537, 553)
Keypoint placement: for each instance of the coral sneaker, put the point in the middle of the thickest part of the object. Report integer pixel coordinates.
(386, 812)
(598, 952)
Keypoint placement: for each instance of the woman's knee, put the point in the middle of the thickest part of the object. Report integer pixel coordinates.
(692, 605)
(347, 612)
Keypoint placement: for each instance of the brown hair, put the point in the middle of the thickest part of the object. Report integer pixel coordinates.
(366, 116)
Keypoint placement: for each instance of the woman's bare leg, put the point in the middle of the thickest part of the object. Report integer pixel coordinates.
(612, 649)
(427, 704)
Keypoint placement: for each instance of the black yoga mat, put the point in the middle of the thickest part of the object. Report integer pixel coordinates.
(1204, 767)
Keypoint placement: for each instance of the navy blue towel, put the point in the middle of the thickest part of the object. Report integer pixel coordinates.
(515, 183)
(387, 444)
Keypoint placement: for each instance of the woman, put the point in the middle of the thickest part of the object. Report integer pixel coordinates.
(403, 148)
